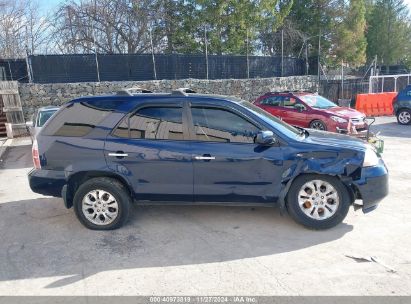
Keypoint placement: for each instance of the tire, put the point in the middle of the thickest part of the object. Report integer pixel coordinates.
(326, 219)
(318, 125)
(102, 192)
(404, 117)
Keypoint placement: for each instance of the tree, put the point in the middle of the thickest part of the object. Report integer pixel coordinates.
(314, 18)
(105, 26)
(351, 43)
(389, 32)
(21, 29)
(228, 26)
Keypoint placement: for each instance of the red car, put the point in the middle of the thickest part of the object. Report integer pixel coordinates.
(309, 110)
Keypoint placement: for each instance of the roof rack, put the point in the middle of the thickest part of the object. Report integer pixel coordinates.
(182, 91)
(132, 91)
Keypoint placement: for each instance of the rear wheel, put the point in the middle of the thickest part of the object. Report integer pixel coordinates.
(318, 201)
(404, 117)
(318, 125)
(102, 203)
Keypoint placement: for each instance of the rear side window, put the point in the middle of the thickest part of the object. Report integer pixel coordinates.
(153, 123)
(272, 101)
(222, 126)
(75, 120)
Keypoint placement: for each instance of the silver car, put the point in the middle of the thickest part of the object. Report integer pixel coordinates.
(39, 118)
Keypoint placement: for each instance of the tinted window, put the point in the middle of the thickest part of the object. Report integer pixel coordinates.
(222, 126)
(77, 119)
(272, 101)
(153, 123)
(44, 116)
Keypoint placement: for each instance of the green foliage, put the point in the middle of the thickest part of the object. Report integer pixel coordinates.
(227, 25)
(351, 43)
(389, 32)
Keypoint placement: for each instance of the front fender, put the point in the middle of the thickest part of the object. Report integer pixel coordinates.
(344, 164)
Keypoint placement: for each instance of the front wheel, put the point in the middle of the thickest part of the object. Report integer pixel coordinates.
(318, 201)
(404, 117)
(102, 203)
(318, 125)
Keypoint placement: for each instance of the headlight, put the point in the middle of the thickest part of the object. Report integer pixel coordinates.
(339, 119)
(370, 158)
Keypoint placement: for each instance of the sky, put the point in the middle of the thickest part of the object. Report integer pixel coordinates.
(47, 5)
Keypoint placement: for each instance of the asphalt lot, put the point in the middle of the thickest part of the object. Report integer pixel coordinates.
(204, 250)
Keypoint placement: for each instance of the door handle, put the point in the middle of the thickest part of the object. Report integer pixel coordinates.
(118, 154)
(204, 157)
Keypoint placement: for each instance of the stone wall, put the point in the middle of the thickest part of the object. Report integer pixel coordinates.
(37, 95)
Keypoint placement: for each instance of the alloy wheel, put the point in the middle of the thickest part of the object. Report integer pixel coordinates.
(404, 117)
(100, 207)
(318, 125)
(318, 199)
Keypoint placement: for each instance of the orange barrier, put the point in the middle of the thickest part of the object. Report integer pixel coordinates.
(377, 104)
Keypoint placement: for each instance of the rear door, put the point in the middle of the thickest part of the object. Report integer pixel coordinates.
(228, 166)
(272, 105)
(150, 149)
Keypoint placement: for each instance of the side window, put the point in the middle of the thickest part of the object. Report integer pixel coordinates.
(211, 124)
(272, 101)
(289, 102)
(76, 120)
(153, 123)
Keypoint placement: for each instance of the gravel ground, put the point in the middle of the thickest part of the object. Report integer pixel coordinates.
(204, 250)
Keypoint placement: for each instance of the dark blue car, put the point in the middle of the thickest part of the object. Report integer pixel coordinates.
(100, 154)
(402, 106)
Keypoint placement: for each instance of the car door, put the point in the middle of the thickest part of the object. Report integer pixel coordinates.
(272, 105)
(150, 149)
(294, 111)
(228, 166)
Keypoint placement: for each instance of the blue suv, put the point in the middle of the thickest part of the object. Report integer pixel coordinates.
(402, 106)
(101, 154)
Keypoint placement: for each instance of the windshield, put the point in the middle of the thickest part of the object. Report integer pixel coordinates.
(275, 122)
(317, 101)
(44, 116)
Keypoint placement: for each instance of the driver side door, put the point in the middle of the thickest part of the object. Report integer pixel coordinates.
(295, 113)
(228, 166)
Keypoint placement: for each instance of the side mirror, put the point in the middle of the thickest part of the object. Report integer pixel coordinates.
(299, 107)
(265, 138)
(29, 124)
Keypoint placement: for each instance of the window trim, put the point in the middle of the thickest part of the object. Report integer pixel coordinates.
(219, 107)
(178, 105)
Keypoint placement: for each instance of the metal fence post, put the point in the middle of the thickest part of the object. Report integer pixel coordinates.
(206, 50)
(152, 54)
